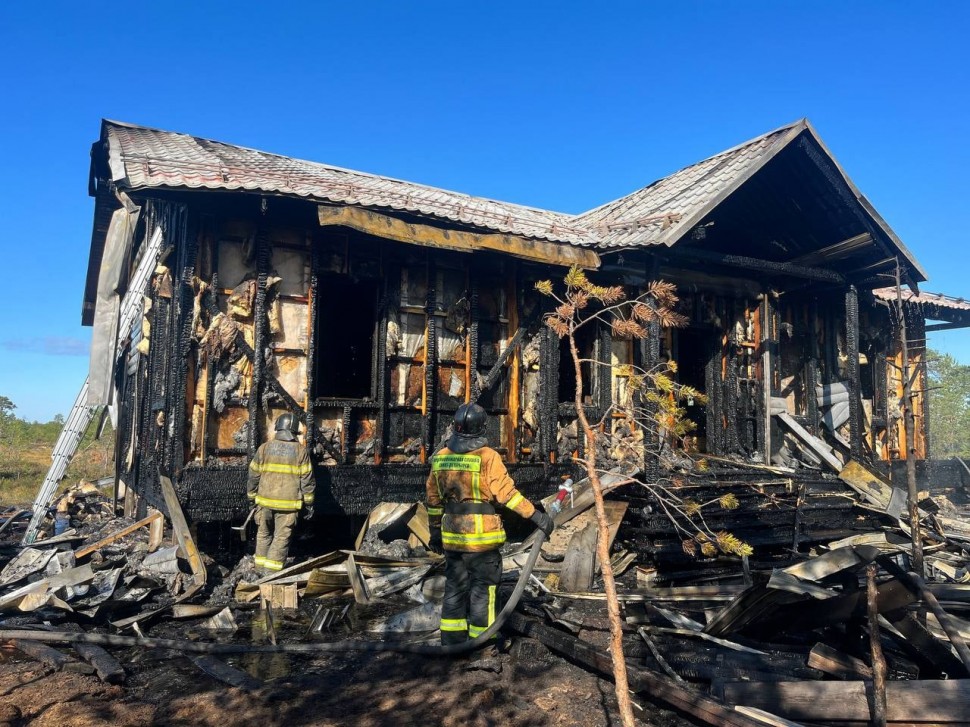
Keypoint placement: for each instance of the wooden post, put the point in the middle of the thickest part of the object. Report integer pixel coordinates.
(909, 426)
(878, 662)
(852, 371)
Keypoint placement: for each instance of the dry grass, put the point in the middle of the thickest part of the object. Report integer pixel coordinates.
(23, 467)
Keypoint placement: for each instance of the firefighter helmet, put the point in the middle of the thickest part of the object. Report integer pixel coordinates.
(288, 423)
(470, 420)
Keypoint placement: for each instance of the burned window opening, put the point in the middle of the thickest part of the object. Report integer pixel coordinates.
(693, 350)
(346, 316)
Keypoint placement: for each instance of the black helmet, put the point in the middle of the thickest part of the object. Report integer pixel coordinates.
(470, 420)
(469, 429)
(287, 424)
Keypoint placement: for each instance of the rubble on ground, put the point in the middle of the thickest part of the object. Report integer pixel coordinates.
(786, 631)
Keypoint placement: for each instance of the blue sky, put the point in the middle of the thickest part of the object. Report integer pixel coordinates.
(553, 104)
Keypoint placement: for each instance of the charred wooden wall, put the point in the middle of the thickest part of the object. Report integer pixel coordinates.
(256, 310)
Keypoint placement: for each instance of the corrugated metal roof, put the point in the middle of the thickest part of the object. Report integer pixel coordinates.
(665, 210)
(141, 157)
(924, 298)
(659, 214)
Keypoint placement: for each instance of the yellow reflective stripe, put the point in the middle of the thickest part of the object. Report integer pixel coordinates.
(456, 463)
(434, 511)
(251, 495)
(454, 624)
(273, 564)
(494, 537)
(479, 524)
(308, 499)
(475, 631)
(254, 466)
(476, 487)
(514, 501)
(260, 560)
(283, 469)
(491, 605)
(279, 504)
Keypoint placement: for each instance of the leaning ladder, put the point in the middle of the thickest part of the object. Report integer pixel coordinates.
(81, 414)
(64, 449)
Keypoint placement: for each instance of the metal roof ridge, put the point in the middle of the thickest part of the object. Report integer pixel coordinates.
(800, 123)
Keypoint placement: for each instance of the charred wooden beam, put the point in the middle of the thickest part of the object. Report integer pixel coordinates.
(429, 421)
(852, 371)
(655, 684)
(751, 263)
(909, 702)
(259, 336)
(474, 347)
(311, 355)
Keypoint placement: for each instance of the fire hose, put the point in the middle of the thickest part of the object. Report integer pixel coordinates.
(185, 645)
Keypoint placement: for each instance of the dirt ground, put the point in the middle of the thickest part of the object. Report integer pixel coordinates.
(535, 688)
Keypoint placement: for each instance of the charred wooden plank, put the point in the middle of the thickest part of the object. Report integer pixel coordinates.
(657, 685)
(940, 702)
(220, 670)
(50, 656)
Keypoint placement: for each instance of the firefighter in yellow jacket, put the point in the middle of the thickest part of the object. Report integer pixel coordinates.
(467, 478)
(280, 484)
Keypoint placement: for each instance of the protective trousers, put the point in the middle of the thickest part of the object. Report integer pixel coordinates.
(471, 594)
(273, 537)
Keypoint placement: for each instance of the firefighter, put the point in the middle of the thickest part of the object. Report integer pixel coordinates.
(280, 484)
(467, 478)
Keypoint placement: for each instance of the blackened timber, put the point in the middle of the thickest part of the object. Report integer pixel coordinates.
(852, 371)
(184, 297)
(474, 344)
(811, 369)
(311, 355)
(946, 326)
(428, 422)
(391, 296)
(496, 371)
(714, 412)
(548, 391)
(268, 379)
(649, 349)
(259, 336)
(657, 685)
(752, 263)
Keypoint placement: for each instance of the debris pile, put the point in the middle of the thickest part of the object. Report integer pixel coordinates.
(825, 623)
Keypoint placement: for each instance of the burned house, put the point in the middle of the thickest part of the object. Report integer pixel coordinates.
(373, 307)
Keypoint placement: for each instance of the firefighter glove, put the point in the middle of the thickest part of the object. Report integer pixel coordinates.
(435, 541)
(543, 522)
(308, 512)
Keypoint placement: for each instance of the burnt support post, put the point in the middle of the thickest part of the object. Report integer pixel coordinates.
(184, 295)
(649, 350)
(856, 433)
(311, 350)
(812, 381)
(259, 337)
(429, 424)
(548, 392)
(390, 299)
(767, 374)
(909, 426)
(473, 342)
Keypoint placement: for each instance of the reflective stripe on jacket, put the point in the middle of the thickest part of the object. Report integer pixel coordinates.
(281, 476)
(479, 476)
